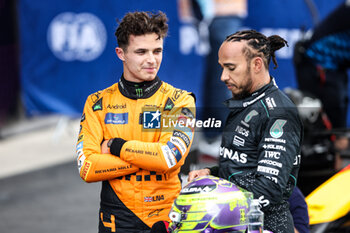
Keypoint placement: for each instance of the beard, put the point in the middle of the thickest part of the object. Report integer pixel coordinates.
(245, 89)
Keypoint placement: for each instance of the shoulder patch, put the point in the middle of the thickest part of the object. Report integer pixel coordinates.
(176, 94)
(168, 105)
(95, 96)
(276, 130)
(82, 118)
(187, 112)
(98, 105)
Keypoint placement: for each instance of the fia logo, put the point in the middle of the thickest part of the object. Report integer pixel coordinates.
(151, 119)
(72, 36)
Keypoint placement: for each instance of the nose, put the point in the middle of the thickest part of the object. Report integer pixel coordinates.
(151, 58)
(224, 77)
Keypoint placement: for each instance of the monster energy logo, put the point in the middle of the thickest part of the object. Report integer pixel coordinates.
(139, 92)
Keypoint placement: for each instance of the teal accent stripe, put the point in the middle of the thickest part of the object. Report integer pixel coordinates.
(268, 115)
(295, 179)
(233, 175)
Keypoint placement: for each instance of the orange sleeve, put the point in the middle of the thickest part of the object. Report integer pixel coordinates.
(94, 166)
(170, 152)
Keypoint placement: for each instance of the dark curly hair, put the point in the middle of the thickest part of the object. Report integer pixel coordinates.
(141, 23)
(259, 45)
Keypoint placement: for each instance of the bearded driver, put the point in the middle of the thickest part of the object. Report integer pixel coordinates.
(260, 147)
(122, 141)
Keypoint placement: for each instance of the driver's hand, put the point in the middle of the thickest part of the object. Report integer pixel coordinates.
(198, 173)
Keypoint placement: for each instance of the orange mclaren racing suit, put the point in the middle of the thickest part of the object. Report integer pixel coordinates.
(140, 186)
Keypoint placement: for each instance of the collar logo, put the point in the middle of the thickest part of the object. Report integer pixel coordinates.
(139, 92)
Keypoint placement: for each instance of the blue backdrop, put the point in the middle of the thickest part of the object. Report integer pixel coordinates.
(68, 47)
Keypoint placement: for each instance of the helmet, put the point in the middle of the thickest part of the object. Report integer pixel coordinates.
(210, 204)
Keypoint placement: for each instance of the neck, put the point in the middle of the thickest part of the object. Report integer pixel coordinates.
(261, 80)
(139, 90)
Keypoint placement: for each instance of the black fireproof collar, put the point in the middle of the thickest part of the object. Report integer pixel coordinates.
(141, 90)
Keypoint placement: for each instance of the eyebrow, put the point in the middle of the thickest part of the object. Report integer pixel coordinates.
(144, 49)
(229, 64)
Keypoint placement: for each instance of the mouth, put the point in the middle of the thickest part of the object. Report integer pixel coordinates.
(150, 69)
(230, 85)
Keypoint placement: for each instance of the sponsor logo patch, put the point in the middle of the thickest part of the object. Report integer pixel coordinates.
(153, 198)
(233, 155)
(177, 93)
(271, 162)
(175, 151)
(276, 130)
(183, 136)
(80, 146)
(168, 105)
(80, 137)
(86, 169)
(250, 115)
(82, 118)
(187, 112)
(116, 106)
(97, 106)
(168, 156)
(116, 118)
(238, 141)
(270, 103)
(154, 212)
(273, 147)
(198, 189)
(80, 161)
(272, 154)
(242, 131)
(268, 170)
(179, 144)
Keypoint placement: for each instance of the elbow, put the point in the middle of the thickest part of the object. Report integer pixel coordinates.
(162, 169)
(87, 179)
(85, 172)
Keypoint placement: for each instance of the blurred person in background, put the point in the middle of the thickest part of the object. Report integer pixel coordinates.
(9, 65)
(217, 19)
(122, 141)
(260, 147)
(322, 60)
(299, 209)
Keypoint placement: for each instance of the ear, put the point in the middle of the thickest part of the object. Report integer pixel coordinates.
(257, 64)
(120, 53)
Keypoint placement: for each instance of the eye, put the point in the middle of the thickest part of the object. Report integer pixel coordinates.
(140, 52)
(157, 51)
(231, 68)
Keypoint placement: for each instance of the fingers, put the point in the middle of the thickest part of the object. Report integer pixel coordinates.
(198, 173)
(104, 147)
(192, 175)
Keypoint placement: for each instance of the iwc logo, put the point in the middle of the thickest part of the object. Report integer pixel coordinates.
(74, 36)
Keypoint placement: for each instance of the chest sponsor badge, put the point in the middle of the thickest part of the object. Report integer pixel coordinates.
(117, 118)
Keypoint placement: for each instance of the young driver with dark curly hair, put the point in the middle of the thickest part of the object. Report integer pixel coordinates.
(123, 141)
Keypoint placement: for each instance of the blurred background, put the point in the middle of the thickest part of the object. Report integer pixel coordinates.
(53, 54)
